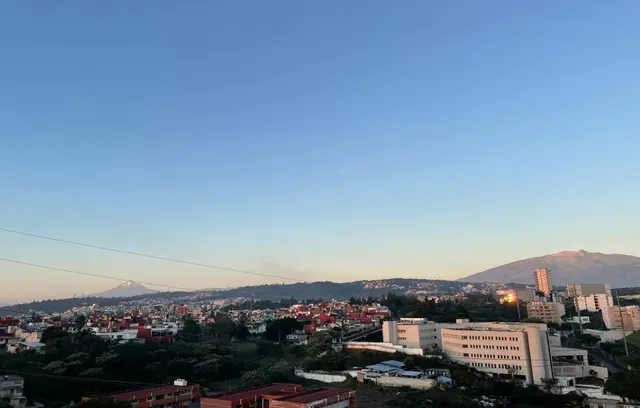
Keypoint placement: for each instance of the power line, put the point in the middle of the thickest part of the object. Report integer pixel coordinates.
(161, 258)
(95, 275)
(70, 377)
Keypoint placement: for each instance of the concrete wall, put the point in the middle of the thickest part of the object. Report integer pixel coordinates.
(418, 383)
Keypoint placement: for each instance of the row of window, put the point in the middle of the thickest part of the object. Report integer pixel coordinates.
(497, 356)
(491, 365)
(499, 338)
(429, 338)
(490, 347)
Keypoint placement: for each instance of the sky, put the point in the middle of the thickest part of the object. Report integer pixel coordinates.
(315, 140)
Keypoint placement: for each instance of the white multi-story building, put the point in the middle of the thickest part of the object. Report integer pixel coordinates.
(546, 311)
(593, 302)
(11, 388)
(614, 317)
(523, 350)
(577, 289)
(412, 333)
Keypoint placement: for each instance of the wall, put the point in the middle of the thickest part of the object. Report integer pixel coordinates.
(418, 383)
(322, 377)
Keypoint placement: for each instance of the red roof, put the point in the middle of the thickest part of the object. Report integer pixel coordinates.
(145, 392)
(269, 389)
(318, 395)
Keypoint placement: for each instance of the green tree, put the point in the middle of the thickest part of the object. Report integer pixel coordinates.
(192, 330)
(81, 322)
(320, 342)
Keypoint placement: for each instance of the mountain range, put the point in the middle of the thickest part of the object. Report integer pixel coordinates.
(126, 289)
(568, 267)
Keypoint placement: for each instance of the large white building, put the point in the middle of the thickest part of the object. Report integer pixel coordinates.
(11, 388)
(577, 289)
(593, 302)
(412, 333)
(614, 317)
(524, 350)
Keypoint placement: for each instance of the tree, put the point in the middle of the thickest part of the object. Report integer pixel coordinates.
(191, 331)
(80, 322)
(277, 330)
(586, 339)
(320, 342)
(625, 384)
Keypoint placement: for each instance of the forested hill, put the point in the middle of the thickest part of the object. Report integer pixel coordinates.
(297, 291)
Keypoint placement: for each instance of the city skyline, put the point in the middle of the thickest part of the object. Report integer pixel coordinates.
(322, 141)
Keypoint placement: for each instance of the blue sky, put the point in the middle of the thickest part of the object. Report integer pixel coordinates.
(321, 140)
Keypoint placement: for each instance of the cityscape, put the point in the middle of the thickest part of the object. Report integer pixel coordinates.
(319, 204)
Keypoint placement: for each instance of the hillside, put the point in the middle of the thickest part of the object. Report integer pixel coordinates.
(569, 267)
(298, 291)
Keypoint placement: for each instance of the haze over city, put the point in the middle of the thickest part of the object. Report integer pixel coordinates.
(313, 140)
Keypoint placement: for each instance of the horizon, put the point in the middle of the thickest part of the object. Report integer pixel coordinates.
(203, 289)
(349, 141)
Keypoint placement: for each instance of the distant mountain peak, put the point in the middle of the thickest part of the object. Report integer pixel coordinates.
(127, 289)
(568, 267)
(570, 254)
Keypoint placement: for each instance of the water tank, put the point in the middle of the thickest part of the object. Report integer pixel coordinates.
(180, 382)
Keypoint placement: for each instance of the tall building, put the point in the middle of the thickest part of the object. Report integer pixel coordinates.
(577, 289)
(542, 278)
(548, 312)
(614, 316)
(593, 302)
(412, 333)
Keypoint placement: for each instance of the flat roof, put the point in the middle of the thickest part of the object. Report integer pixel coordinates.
(382, 368)
(269, 389)
(142, 392)
(393, 363)
(316, 395)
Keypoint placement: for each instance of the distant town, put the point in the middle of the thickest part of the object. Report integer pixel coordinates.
(580, 341)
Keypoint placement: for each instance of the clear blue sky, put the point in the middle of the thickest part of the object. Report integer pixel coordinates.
(316, 139)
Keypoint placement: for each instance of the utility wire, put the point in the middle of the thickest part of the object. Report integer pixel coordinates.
(95, 275)
(70, 377)
(161, 258)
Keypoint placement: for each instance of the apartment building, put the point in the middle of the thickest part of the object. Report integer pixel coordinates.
(549, 312)
(11, 388)
(411, 333)
(593, 302)
(542, 278)
(527, 295)
(615, 316)
(577, 289)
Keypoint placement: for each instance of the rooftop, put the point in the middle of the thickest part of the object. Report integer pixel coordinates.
(269, 389)
(144, 392)
(317, 395)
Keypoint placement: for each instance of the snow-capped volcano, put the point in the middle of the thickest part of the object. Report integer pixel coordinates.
(126, 289)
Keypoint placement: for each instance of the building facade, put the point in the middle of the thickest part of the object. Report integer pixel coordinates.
(178, 395)
(542, 278)
(411, 333)
(549, 312)
(11, 388)
(593, 302)
(577, 289)
(615, 316)
(517, 349)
